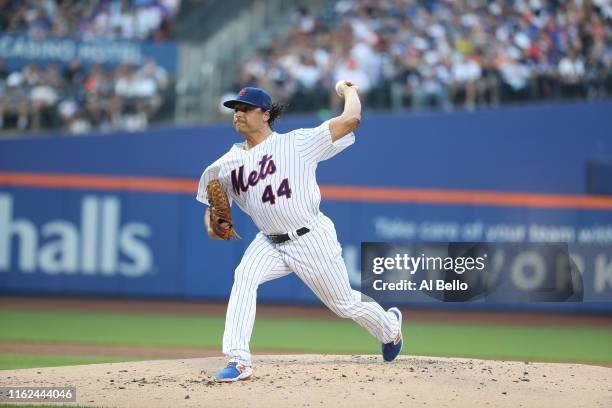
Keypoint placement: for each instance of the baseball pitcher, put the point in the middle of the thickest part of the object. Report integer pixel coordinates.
(272, 178)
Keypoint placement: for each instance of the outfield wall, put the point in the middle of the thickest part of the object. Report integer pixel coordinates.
(116, 214)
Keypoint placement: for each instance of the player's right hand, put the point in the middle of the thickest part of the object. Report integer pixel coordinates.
(343, 85)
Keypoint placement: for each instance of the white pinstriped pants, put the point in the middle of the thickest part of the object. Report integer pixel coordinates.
(316, 258)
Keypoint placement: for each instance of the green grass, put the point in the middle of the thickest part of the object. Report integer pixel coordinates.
(111, 328)
(14, 361)
(578, 344)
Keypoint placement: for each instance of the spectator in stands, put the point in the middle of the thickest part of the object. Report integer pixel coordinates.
(100, 104)
(151, 81)
(71, 109)
(74, 76)
(14, 102)
(31, 75)
(571, 73)
(44, 95)
(466, 73)
(158, 74)
(431, 90)
(547, 77)
(515, 76)
(488, 87)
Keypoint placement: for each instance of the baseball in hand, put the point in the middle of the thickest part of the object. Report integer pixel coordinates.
(339, 89)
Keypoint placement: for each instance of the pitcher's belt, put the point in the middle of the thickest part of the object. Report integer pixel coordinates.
(280, 238)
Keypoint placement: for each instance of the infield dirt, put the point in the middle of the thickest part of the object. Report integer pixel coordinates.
(330, 380)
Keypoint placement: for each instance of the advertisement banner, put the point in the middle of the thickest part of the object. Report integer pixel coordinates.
(116, 215)
(17, 51)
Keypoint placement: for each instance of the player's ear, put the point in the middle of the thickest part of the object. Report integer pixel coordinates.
(266, 116)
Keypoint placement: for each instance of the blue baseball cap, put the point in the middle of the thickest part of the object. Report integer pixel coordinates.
(251, 96)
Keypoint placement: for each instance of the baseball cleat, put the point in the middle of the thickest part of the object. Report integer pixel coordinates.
(392, 349)
(234, 371)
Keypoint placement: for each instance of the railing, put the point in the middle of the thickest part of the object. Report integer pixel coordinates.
(207, 69)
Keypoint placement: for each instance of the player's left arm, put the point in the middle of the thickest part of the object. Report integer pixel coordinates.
(350, 118)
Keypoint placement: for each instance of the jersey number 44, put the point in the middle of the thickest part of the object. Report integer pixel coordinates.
(268, 195)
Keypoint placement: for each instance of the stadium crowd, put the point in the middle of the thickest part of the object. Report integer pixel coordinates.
(78, 100)
(80, 96)
(441, 54)
(417, 54)
(89, 19)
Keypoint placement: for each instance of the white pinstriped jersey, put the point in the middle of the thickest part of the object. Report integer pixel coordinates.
(275, 182)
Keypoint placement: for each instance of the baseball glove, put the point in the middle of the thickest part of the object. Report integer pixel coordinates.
(220, 211)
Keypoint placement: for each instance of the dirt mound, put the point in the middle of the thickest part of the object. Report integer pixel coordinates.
(330, 380)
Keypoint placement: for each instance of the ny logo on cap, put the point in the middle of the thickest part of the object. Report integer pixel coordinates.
(242, 92)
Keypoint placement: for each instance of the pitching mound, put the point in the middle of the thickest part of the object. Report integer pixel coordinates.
(328, 380)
